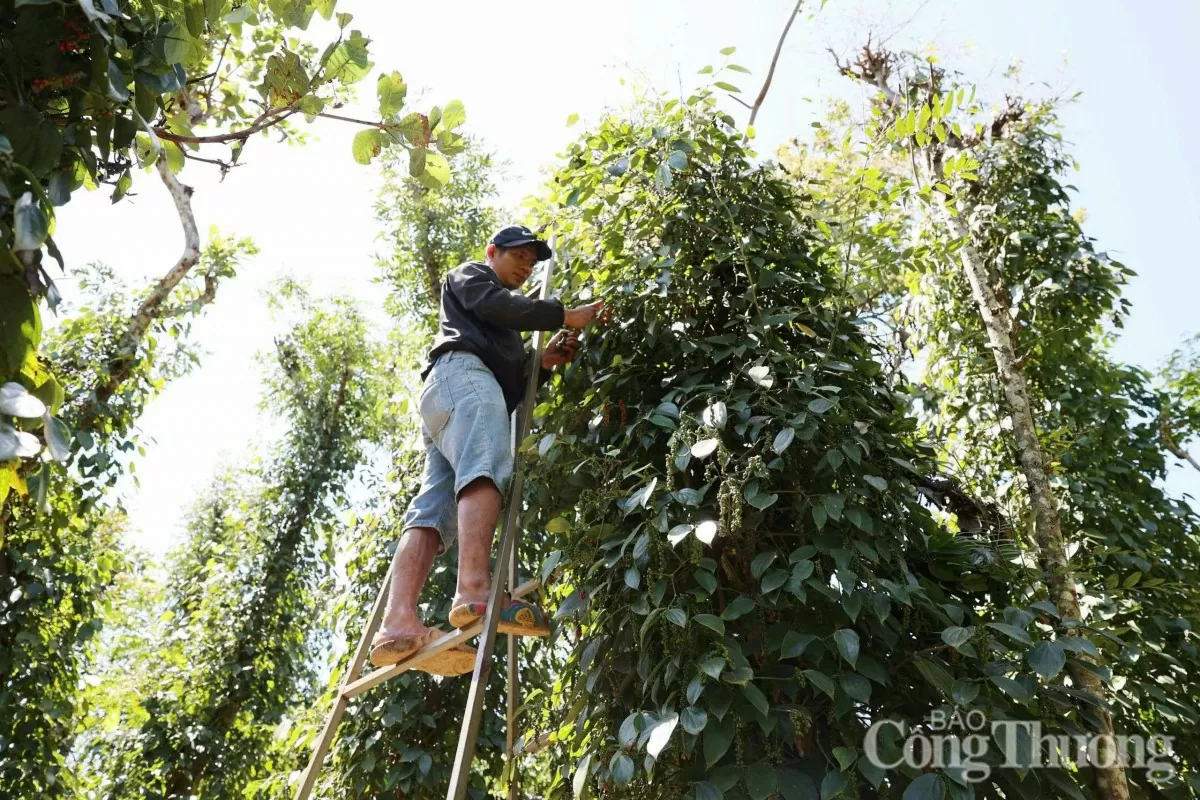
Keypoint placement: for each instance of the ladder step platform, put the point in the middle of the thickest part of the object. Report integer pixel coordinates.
(376, 677)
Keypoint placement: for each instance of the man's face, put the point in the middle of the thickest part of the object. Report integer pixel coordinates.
(514, 266)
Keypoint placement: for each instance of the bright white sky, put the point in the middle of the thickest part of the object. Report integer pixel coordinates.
(522, 67)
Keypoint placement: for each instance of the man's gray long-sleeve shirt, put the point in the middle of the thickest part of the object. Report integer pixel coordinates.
(479, 315)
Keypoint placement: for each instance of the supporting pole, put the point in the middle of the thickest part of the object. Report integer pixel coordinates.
(510, 732)
(309, 778)
(460, 775)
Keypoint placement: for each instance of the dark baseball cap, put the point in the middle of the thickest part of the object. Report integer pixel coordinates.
(517, 235)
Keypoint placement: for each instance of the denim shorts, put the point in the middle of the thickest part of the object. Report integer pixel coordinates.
(465, 428)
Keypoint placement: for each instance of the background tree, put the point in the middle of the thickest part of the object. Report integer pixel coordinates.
(241, 593)
(1090, 413)
(431, 230)
(1180, 419)
(55, 562)
(128, 84)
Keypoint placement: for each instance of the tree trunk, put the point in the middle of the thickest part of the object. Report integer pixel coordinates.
(874, 67)
(1110, 782)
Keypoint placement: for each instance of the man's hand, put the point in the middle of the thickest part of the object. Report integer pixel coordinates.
(580, 316)
(560, 349)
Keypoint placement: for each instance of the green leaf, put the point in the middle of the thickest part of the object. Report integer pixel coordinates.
(391, 91)
(621, 768)
(708, 791)
(718, 735)
(31, 226)
(1013, 689)
(660, 733)
(729, 87)
(367, 144)
(20, 324)
(193, 14)
(761, 375)
(956, 636)
(762, 780)
(716, 415)
(572, 119)
(782, 440)
(558, 525)
(763, 500)
(821, 681)
(711, 622)
(760, 563)
(728, 51)
(927, 787)
(664, 176)
(437, 170)
(1011, 630)
(1047, 659)
(740, 606)
(857, 687)
(935, 674)
(580, 782)
(795, 643)
(737, 68)
(348, 62)
(847, 644)
(820, 405)
(633, 577)
(712, 666)
(677, 160)
(693, 719)
(833, 784)
(965, 691)
(795, 785)
(453, 115)
(676, 616)
(876, 481)
(756, 698)
(706, 579)
(416, 161)
(773, 580)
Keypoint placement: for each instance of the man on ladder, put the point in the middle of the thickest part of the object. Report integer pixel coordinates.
(474, 379)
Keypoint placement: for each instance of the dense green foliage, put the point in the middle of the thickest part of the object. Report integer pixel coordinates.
(753, 576)
(777, 500)
(430, 230)
(89, 93)
(241, 593)
(57, 553)
(1134, 548)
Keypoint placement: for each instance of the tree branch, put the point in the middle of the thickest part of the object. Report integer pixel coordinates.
(1164, 433)
(122, 362)
(762, 94)
(268, 118)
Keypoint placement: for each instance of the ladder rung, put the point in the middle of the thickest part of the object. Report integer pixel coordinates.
(428, 651)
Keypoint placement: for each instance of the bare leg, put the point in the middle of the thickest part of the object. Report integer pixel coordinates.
(413, 560)
(478, 511)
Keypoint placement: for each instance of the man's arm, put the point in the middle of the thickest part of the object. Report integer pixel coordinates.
(479, 292)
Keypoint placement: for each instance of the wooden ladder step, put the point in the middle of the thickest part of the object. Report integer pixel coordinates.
(373, 679)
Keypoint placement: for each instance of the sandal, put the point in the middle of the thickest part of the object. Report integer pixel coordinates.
(457, 660)
(517, 618)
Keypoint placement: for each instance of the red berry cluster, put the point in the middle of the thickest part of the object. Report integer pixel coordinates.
(58, 82)
(75, 41)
